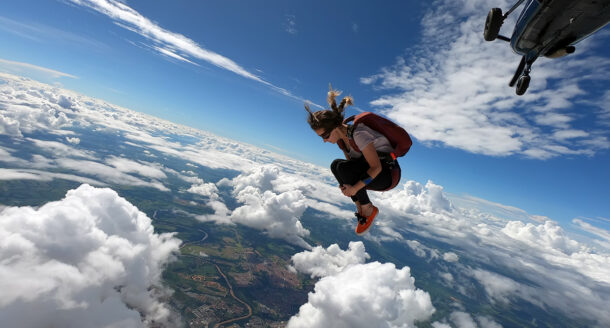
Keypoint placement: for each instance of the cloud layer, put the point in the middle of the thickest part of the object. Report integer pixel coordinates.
(553, 269)
(273, 199)
(89, 260)
(477, 247)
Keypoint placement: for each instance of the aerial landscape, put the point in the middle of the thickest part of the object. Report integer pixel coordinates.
(147, 180)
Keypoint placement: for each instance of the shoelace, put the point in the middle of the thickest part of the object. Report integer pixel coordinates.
(361, 219)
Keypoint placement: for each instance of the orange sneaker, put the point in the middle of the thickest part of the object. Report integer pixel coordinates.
(365, 222)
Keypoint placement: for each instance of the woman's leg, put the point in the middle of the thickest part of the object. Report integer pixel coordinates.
(383, 180)
(350, 172)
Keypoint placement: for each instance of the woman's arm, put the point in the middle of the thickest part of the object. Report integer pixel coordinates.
(346, 154)
(370, 154)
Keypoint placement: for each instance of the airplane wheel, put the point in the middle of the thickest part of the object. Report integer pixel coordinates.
(492, 24)
(522, 84)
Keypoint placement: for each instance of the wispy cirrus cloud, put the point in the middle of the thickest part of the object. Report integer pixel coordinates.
(171, 44)
(452, 90)
(20, 68)
(291, 24)
(44, 33)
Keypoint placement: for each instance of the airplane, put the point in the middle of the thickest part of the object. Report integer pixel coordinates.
(548, 28)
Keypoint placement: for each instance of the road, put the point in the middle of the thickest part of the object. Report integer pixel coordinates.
(205, 236)
(237, 299)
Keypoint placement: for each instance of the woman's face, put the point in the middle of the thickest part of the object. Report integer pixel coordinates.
(328, 135)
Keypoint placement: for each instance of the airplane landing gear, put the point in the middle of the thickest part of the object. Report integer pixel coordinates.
(522, 75)
(522, 84)
(493, 24)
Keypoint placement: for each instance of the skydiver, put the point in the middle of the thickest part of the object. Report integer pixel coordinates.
(370, 162)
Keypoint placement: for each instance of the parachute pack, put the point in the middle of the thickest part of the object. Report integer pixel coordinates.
(398, 137)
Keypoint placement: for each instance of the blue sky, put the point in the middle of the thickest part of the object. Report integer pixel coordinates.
(243, 69)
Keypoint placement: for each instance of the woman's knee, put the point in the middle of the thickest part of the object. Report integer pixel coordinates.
(334, 166)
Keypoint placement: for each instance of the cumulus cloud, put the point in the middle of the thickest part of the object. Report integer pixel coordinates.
(89, 260)
(365, 295)
(539, 262)
(451, 257)
(548, 236)
(204, 189)
(9, 126)
(464, 320)
(275, 213)
(320, 262)
(421, 250)
(445, 92)
(73, 140)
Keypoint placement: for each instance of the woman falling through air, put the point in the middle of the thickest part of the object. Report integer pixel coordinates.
(370, 146)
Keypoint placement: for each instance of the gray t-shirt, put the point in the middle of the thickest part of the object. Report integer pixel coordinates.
(363, 136)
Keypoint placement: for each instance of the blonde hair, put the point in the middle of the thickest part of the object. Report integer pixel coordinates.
(329, 118)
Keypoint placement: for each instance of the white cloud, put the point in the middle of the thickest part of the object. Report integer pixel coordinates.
(421, 250)
(74, 140)
(365, 295)
(320, 262)
(415, 198)
(275, 213)
(171, 44)
(451, 257)
(486, 322)
(498, 287)
(46, 34)
(10, 174)
(19, 67)
(445, 92)
(448, 277)
(108, 174)
(204, 189)
(24, 174)
(134, 21)
(541, 254)
(145, 169)
(548, 236)
(9, 126)
(462, 320)
(602, 233)
(89, 260)
(59, 149)
(17, 119)
(290, 24)
(437, 324)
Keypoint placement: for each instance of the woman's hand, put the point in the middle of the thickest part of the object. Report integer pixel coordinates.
(348, 190)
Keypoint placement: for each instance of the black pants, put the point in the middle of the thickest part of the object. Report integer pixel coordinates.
(353, 170)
